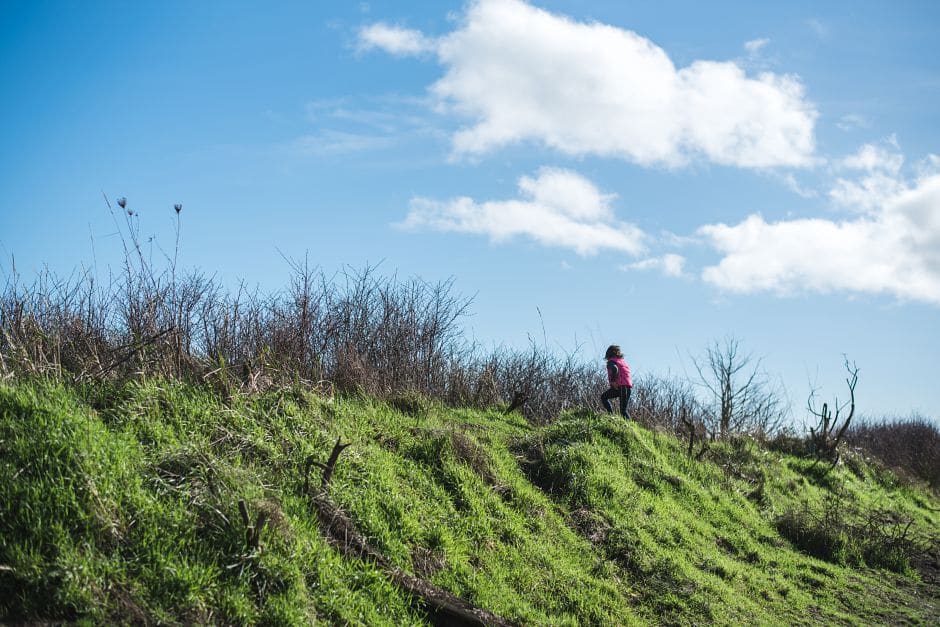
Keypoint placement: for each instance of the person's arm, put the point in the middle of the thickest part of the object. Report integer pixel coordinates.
(613, 374)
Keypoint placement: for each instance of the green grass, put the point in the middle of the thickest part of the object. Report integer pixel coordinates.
(121, 503)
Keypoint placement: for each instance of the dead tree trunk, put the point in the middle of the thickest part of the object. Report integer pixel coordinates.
(828, 432)
(691, 427)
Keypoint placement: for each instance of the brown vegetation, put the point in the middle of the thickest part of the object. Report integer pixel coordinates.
(911, 445)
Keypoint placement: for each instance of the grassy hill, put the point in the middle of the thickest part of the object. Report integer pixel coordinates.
(120, 503)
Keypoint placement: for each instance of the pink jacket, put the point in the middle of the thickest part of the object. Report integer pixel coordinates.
(623, 373)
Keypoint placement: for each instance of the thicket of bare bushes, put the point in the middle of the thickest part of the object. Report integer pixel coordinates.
(353, 331)
(909, 444)
(357, 330)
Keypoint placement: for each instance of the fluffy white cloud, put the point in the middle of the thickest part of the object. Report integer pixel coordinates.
(669, 264)
(558, 208)
(894, 248)
(524, 74)
(394, 39)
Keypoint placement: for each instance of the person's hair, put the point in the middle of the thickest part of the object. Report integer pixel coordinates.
(613, 351)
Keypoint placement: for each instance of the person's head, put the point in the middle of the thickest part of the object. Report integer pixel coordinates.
(613, 351)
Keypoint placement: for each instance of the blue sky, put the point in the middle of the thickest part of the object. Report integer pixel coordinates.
(655, 174)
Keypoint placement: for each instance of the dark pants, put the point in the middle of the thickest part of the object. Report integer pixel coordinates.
(623, 393)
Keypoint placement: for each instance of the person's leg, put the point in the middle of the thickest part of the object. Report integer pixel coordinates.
(624, 399)
(605, 399)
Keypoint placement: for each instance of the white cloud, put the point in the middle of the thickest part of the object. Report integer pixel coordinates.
(394, 40)
(756, 45)
(879, 183)
(522, 74)
(872, 158)
(894, 248)
(557, 208)
(670, 265)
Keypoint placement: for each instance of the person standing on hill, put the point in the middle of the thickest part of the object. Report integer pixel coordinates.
(621, 385)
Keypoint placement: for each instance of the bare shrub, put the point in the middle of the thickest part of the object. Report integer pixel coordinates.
(661, 402)
(789, 442)
(911, 445)
(549, 383)
(670, 404)
(833, 422)
(744, 398)
(841, 532)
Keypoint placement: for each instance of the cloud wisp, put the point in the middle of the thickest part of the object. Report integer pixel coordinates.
(395, 40)
(670, 265)
(754, 46)
(852, 121)
(556, 208)
(879, 179)
(523, 74)
(890, 246)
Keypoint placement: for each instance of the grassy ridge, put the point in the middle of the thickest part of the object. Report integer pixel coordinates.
(121, 503)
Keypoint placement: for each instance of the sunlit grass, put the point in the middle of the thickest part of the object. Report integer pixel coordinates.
(122, 502)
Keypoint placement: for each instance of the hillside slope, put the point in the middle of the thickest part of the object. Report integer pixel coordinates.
(122, 504)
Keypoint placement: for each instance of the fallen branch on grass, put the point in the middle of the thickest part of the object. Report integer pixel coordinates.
(342, 533)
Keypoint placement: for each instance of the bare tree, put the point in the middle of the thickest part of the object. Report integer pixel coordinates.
(745, 398)
(828, 432)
